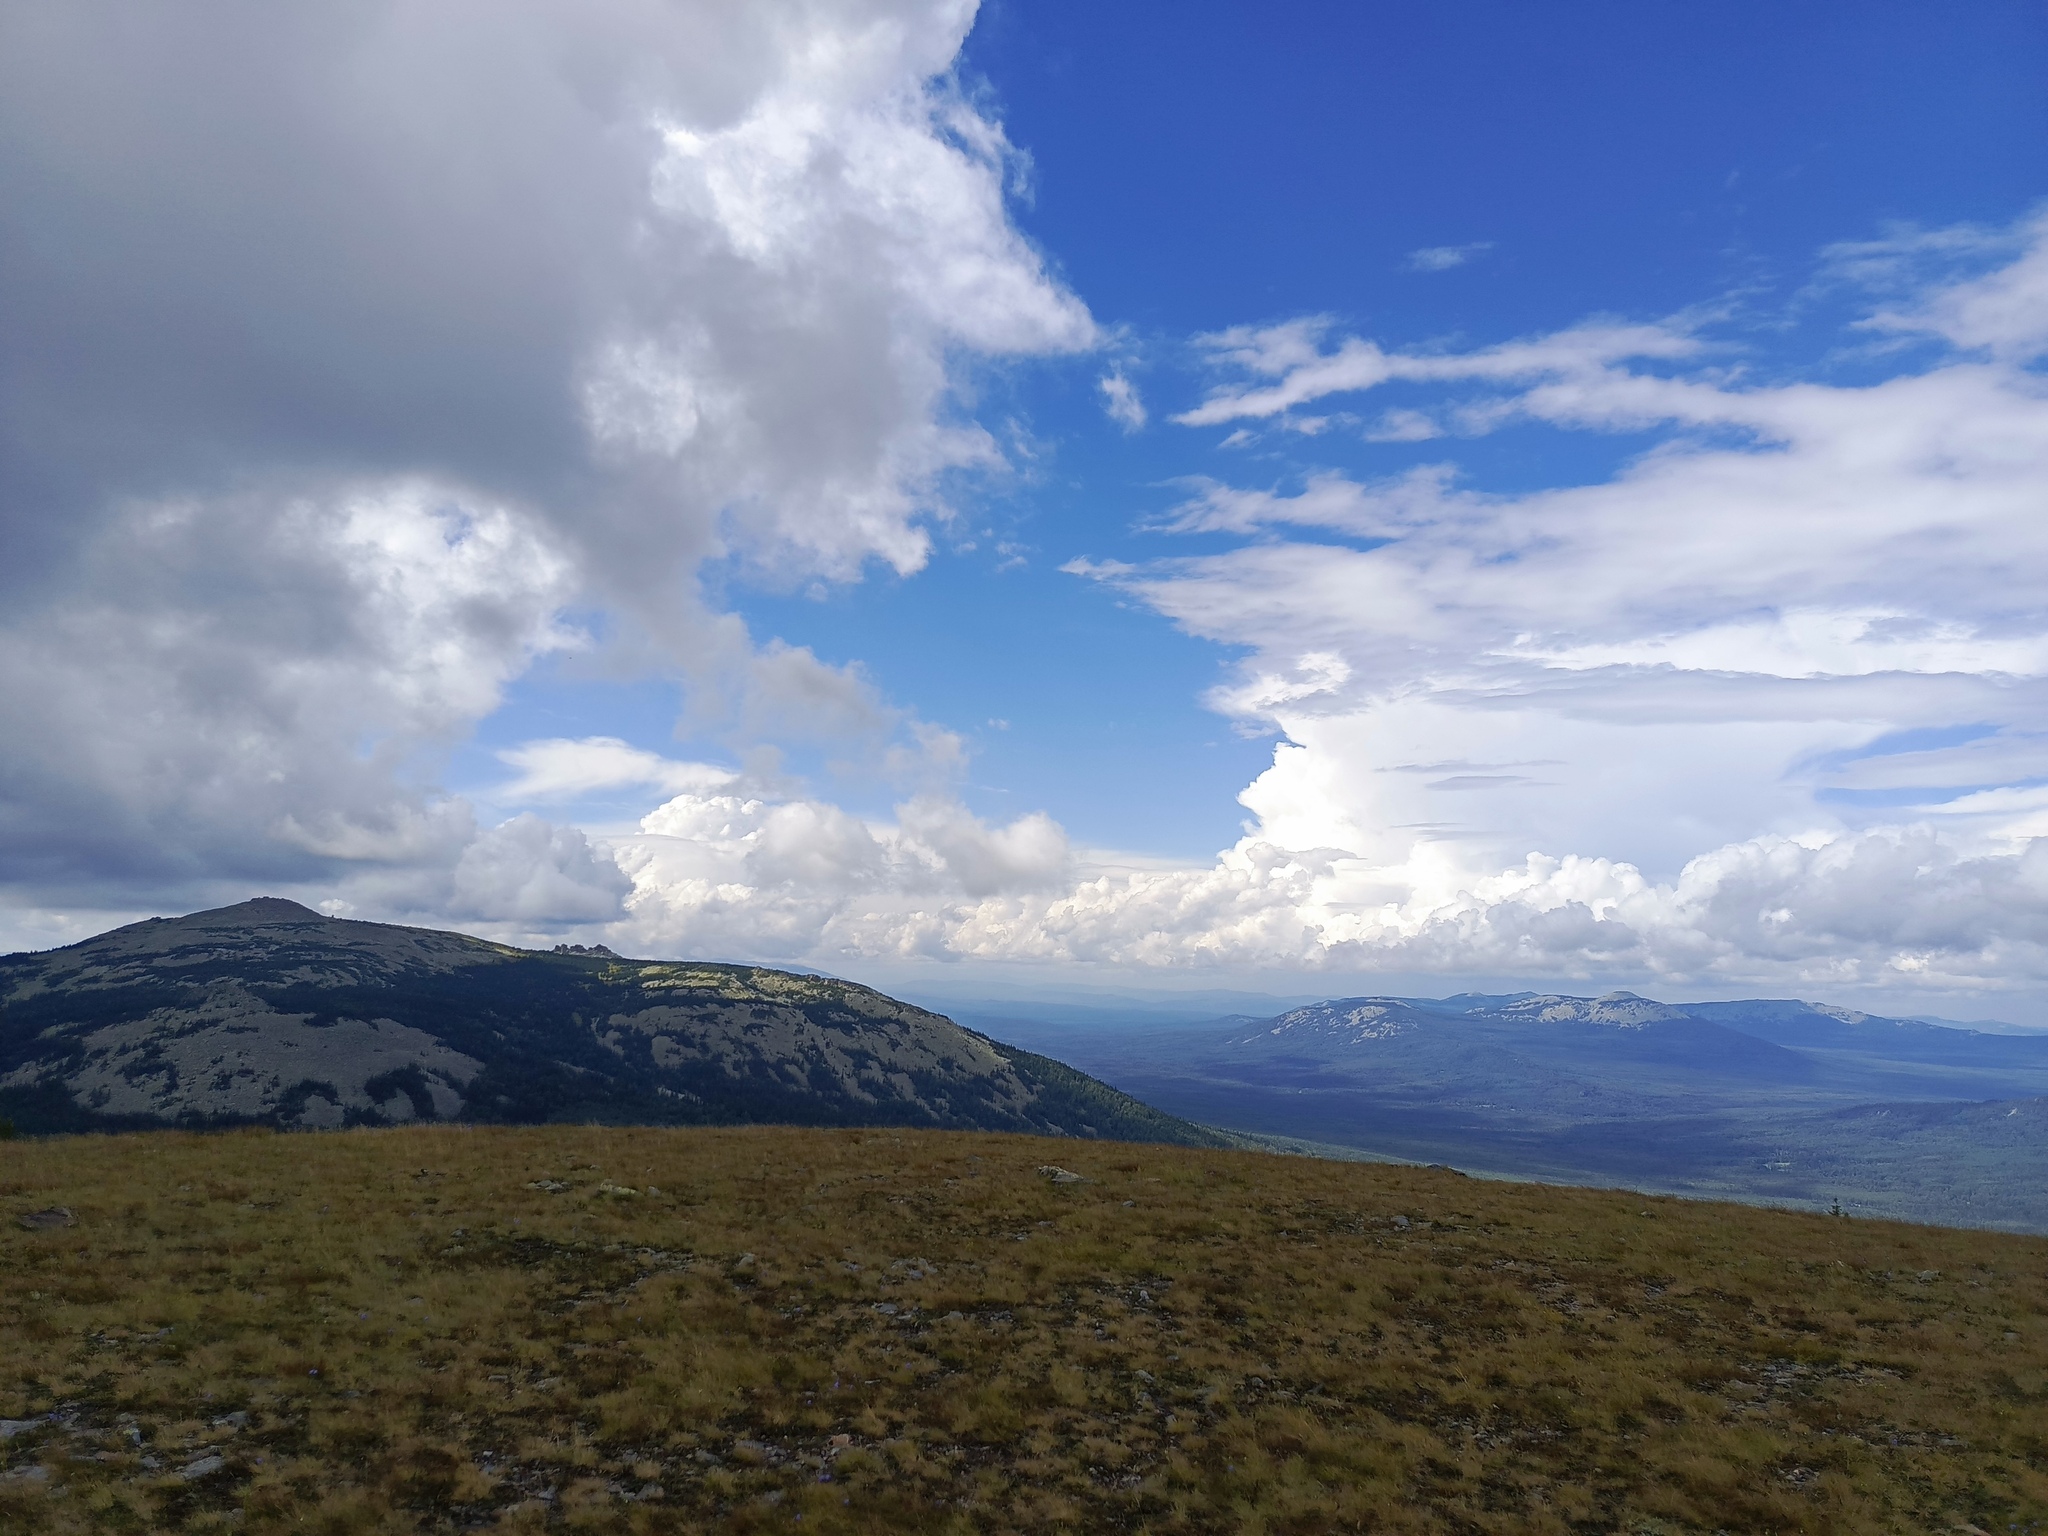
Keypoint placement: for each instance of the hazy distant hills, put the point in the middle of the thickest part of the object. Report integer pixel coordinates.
(269, 1012)
(1771, 1099)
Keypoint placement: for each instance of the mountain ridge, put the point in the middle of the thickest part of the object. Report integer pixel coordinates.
(1775, 1100)
(269, 1012)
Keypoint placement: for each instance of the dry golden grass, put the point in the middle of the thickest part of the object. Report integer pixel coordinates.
(904, 1331)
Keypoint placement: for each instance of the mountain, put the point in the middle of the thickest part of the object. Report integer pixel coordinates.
(1775, 1100)
(1818, 1026)
(268, 1012)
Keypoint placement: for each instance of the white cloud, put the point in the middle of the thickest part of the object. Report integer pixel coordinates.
(1900, 910)
(1857, 912)
(560, 769)
(1441, 258)
(357, 342)
(352, 346)
(1327, 500)
(1291, 356)
(536, 874)
(1708, 652)
(1028, 854)
(242, 689)
(761, 877)
(1403, 427)
(2006, 313)
(1120, 399)
(2003, 311)
(1606, 731)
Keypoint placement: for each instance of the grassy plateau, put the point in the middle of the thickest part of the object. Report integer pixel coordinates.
(569, 1328)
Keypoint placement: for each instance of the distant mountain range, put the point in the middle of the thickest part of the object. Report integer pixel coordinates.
(268, 1012)
(1776, 1100)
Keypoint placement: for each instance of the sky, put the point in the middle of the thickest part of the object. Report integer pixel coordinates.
(1331, 499)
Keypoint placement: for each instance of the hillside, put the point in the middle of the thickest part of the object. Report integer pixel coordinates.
(1780, 1101)
(268, 1012)
(765, 1329)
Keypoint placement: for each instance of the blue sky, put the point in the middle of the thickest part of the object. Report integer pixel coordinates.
(1638, 159)
(1221, 165)
(658, 482)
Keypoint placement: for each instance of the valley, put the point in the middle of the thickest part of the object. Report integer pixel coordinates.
(1776, 1102)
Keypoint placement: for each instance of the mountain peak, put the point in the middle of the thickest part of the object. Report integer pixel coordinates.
(266, 1011)
(257, 911)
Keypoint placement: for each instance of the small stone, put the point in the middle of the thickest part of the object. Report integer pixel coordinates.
(46, 1221)
(1060, 1175)
(9, 1428)
(651, 1491)
(203, 1467)
(1401, 1222)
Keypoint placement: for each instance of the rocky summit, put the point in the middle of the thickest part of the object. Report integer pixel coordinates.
(269, 1012)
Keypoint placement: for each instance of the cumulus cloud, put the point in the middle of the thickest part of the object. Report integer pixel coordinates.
(533, 873)
(1898, 908)
(352, 345)
(242, 689)
(1767, 708)
(1804, 634)
(758, 876)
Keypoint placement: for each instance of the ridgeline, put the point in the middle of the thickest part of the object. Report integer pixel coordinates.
(269, 1013)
